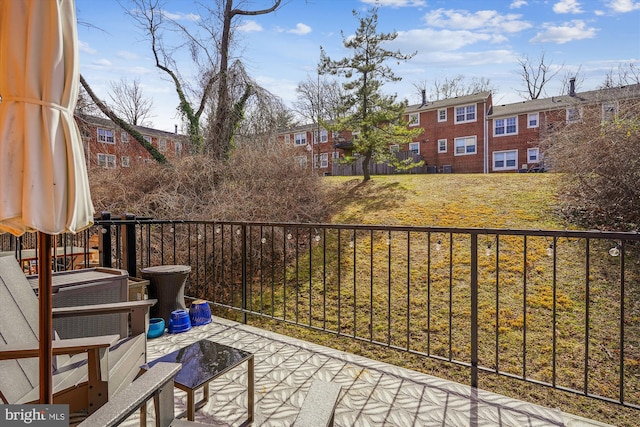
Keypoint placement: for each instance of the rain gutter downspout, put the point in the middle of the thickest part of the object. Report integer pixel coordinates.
(486, 138)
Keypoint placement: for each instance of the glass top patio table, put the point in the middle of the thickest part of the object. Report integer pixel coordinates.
(202, 362)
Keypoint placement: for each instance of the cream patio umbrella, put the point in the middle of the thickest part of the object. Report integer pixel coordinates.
(43, 178)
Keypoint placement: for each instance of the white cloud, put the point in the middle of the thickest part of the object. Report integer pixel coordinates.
(569, 31)
(567, 6)
(250, 27)
(482, 20)
(102, 62)
(441, 41)
(129, 56)
(84, 47)
(178, 16)
(300, 29)
(516, 4)
(624, 6)
(395, 3)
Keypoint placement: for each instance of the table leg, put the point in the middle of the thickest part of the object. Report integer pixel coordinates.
(250, 391)
(191, 405)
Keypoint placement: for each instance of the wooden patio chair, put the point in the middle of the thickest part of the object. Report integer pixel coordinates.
(87, 371)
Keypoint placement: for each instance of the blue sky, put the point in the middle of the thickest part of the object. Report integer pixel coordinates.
(473, 38)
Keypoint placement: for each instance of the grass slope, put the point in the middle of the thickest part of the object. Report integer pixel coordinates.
(516, 201)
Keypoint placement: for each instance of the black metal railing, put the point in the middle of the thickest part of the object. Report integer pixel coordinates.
(554, 308)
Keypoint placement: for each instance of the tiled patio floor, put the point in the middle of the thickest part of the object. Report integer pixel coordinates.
(373, 393)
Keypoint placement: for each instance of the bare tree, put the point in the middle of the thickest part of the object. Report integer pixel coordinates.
(209, 46)
(626, 74)
(128, 101)
(536, 74)
(318, 98)
(121, 123)
(451, 87)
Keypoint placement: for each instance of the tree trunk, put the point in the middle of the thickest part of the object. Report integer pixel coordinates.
(365, 166)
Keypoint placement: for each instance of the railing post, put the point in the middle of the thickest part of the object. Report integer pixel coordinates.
(129, 245)
(244, 273)
(105, 241)
(474, 310)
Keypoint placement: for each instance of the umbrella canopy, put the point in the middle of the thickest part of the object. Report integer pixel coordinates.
(43, 177)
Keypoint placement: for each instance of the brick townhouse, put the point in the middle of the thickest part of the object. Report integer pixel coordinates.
(107, 145)
(468, 134)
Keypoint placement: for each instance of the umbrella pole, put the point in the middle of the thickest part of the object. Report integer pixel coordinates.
(46, 318)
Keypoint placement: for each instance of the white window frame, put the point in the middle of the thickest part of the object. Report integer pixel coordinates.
(533, 120)
(106, 136)
(467, 112)
(440, 145)
(125, 161)
(324, 136)
(287, 139)
(502, 156)
(300, 139)
(467, 142)
(178, 148)
(162, 145)
(335, 155)
(505, 126)
(301, 161)
(107, 161)
(414, 119)
(533, 155)
(442, 115)
(574, 115)
(414, 147)
(324, 160)
(147, 138)
(394, 148)
(124, 137)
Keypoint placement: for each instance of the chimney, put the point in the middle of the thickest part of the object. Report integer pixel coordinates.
(424, 97)
(572, 86)
(175, 129)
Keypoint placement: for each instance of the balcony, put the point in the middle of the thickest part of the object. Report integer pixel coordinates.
(554, 312)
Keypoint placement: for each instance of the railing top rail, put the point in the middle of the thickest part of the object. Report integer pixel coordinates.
(595, 234)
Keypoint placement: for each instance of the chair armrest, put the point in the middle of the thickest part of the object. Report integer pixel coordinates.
(96, 309)
(158, 380)
(68, 346)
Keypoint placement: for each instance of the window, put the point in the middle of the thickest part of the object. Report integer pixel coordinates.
(106, 135)
(505, 160)
(609, 111)
(324, 160)
(302, 161)
(533, 155)
(532, 120)
(162, 145)
(335, 155)
(147, 138)
(178, 146)
(414, 147)
(125, 161)
(106, 160)
(506, 126)
(442, 146)
(394, 148)
(414, 119)
(287, 139)
(322, 135)
(124, 137)
(466, 114)
(442, 115)
(465, 146)
(300, 139)
(573, 115)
